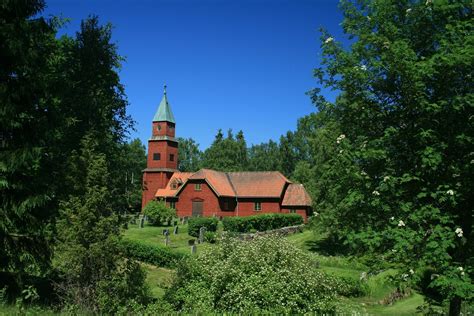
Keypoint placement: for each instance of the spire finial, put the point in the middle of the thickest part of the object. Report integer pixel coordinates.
(164, 89)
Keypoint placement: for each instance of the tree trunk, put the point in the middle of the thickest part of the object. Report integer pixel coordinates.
(455, 306)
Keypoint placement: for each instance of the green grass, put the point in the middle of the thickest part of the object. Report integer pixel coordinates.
(403, 307)
(158, 279)
(31, 310)
(153, 235)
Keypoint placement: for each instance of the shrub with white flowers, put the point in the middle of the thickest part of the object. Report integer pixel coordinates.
(265, 275)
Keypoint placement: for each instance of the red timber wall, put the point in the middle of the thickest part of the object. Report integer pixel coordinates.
(246, 206)
(211, 205)
(165, 149)
(152, 181)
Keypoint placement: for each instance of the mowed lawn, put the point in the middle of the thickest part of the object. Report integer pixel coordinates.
(153, 235)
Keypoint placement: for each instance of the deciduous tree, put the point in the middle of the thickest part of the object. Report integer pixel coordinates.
(403, 176)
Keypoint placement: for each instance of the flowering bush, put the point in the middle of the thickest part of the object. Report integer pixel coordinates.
(267, 274)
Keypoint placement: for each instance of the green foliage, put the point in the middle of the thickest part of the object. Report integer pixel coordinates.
(159, 213)
(28, 129)
(393, 166)
(152, 254)
(226, 154)
(96, 277)
(210, 237)
(132, 162)
(265, 275)
(264, 157)
(260, 222)
(195, 223)
(190, 157)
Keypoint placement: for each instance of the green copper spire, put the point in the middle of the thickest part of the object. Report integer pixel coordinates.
(164, 110)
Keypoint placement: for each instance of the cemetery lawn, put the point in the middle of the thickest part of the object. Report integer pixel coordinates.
(153, 235)
(379, 286)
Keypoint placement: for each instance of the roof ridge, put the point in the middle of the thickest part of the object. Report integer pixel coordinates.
(231, 184)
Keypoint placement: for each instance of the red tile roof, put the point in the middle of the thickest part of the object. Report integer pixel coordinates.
(178, 177)
(218, 181)
(261, 184)
(296, 195)
(258, 184)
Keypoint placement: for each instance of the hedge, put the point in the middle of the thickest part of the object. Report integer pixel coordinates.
(195, 223)
(155, 255)
(260, 222)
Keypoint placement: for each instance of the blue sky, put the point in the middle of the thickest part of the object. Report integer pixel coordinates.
(227, 64)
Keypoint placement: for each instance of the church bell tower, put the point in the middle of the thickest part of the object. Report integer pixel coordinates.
(162, 159)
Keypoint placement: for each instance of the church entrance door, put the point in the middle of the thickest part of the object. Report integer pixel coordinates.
(197, 208)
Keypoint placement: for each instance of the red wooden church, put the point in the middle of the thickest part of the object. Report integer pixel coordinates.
(209, 192)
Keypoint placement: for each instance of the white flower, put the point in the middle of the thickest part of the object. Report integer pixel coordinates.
(392, 218)
(408, 11)
(394, 250)
(450, 192)
(329, 40)
(386, 178)
(363, 173)
(376, 193)
(340, 138)
(401, 223)
(428, 2)
(412, 271)
(462, 273)
(386, 45)
(369, 18)
(341, 151)
(459, 232)
(363, 67)
(404, 276)
(460, 269)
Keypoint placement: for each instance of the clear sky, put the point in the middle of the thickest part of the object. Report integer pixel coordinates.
(227, 64)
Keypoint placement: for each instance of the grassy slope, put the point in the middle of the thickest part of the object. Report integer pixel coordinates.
(379, 287)
(158, 279)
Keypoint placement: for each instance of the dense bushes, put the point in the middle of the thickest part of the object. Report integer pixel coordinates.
(260, 222)
(195, 223)
(265, 275)
(159, 213)
(156, 255)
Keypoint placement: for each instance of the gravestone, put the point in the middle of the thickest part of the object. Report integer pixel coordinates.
(166, 232)
(142, 222)
(193, 249)
(202, 230)
(167, 240)
(175, 231)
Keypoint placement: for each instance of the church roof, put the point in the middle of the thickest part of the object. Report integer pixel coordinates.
(269, 184)
(256, 184)
(164, 111)
(296, 195)
(177, 179)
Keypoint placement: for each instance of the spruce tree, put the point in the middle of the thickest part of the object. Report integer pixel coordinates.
(96, 276)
